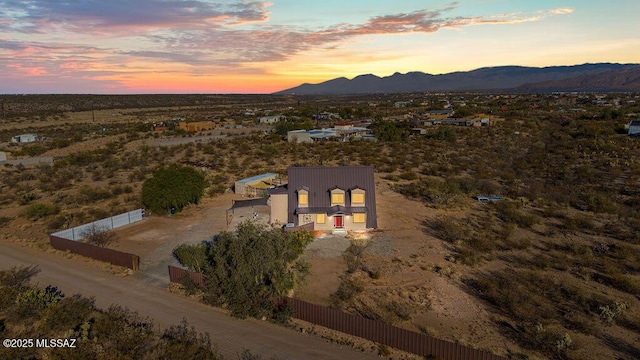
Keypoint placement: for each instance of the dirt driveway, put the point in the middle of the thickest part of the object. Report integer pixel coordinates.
(154, 238)
(231, 335)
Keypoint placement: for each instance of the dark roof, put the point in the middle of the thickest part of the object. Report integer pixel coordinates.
(278, 190)
(319, 180)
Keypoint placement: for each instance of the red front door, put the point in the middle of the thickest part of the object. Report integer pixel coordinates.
(337, 222)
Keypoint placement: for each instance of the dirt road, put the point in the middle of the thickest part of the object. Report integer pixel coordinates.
(231, 335)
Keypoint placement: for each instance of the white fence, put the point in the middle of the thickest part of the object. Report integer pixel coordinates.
(114, 222)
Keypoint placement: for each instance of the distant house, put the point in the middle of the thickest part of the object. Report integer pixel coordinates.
(334, 199)
(299, 136)
(439, 114)
(338, 133)
(270, 119)
(3, 156)
(634, 128)
(454, 122)
(196, 126)
(401, 104)
(256, 186)
(24, 138)
(159, 127)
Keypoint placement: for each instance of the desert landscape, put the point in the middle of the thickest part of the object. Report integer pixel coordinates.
(548, 271)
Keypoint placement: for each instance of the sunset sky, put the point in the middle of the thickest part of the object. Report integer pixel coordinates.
(224, 46)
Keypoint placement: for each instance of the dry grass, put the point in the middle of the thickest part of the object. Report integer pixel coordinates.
(565, 244)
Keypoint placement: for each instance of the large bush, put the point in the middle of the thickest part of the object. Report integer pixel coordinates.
(250, 268)
(171, 188)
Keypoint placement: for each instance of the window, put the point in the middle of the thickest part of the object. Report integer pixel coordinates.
(357, 198)
(303, 198)
(358, 218)
(321, 218)
(337, 199)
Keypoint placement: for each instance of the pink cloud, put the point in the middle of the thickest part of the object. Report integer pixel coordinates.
(196, 36)
(29, 71)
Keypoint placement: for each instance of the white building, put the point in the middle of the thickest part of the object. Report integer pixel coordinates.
(270, 119)
(24, 138)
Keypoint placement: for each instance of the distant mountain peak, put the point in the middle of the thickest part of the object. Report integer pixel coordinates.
(486, 78)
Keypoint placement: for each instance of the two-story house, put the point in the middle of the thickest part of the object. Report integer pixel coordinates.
(335, 199)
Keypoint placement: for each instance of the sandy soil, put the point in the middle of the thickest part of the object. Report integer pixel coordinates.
(408, 257)
(154, 238)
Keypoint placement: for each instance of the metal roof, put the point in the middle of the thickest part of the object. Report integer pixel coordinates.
(319, 180)
(278, 190)
(258, 177)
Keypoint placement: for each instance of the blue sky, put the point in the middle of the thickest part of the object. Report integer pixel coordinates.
(229, 46)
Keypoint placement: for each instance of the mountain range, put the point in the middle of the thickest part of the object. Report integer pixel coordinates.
(585, 77)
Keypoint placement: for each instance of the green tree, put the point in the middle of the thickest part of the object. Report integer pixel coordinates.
(172, 188)
(289, 125)
(387, 131)
(248, 269)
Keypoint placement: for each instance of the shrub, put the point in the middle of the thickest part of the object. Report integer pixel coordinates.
(28, 197)
(32, 302)
(99, 236)
(33, 150)
(600, 203)
(347, 290)
(610, 313)
(449, 229)
(37, 211)
(68, 313)
(88, 194)
(194, 257)
(509, 212)
(353, 257)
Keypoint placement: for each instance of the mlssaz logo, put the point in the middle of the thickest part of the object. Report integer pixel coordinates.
(56, 343)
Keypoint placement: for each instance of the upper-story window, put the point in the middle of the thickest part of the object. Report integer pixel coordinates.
(357, 197)
(337, 197)
(303, 198)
